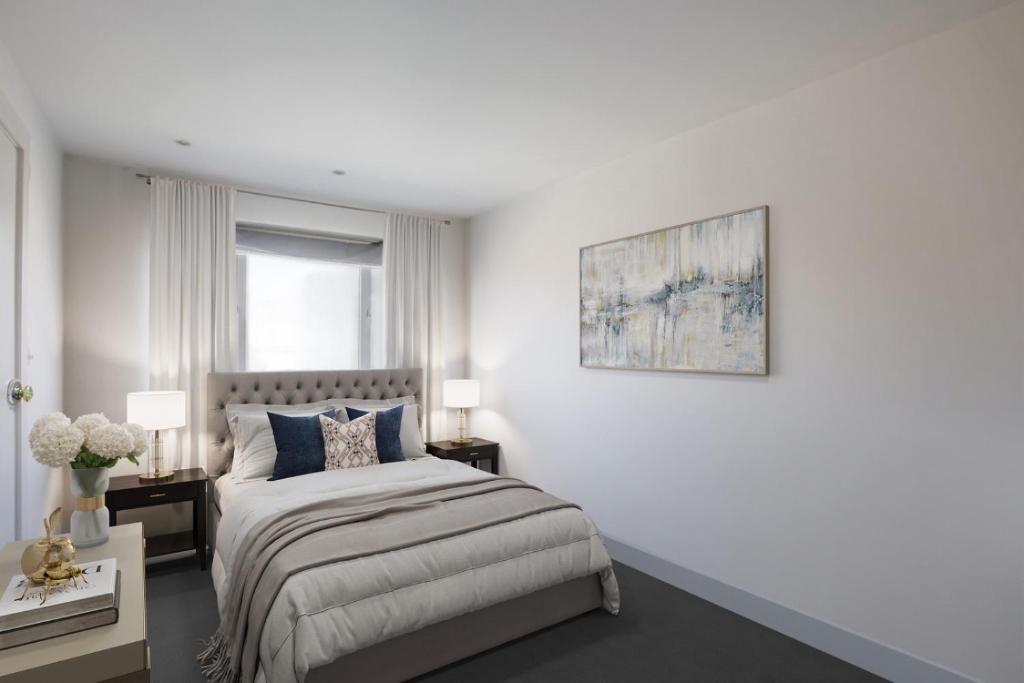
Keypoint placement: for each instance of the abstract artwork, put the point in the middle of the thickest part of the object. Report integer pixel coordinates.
(691, 298)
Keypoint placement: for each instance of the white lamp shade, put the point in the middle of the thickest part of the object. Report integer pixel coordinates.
(461, 393)
(157, 409)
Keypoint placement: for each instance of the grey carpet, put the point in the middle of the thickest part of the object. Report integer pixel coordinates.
(662, 634)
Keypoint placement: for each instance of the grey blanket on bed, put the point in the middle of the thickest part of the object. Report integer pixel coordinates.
(330, 531)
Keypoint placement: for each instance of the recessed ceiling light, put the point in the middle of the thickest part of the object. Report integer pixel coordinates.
(338, 171)
(183, 143)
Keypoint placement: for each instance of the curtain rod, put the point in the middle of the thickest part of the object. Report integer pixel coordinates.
(148, 178)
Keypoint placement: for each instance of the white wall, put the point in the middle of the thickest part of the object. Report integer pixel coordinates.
(106, 295)
(40, 488)
(106, 289)
(874, 480)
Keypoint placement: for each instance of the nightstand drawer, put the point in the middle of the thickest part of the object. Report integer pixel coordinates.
(471, 452)
(143, 497)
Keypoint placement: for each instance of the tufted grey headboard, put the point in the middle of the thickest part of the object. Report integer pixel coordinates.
(292, 387)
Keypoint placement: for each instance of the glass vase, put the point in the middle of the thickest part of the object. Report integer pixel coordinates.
(90, 522)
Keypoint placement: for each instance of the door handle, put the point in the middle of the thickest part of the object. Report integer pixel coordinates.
(16, 391)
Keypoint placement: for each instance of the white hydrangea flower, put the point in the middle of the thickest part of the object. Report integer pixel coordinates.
(109, 441)
(87, 423)
(47, 421)
(140, 442)
(54, 441)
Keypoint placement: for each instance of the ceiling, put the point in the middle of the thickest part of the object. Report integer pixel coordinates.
(447, 107)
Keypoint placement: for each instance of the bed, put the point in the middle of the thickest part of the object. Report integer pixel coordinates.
(474, 561)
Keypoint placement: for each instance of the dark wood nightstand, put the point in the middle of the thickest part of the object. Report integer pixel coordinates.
(479, 449)
(127, 493)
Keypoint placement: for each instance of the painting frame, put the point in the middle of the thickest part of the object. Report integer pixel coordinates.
(764, 346)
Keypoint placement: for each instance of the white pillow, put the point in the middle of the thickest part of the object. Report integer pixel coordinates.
(409, 431)
(374, 403)
(233, 409)
(255, 449)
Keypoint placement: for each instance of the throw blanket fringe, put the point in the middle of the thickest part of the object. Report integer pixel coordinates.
(215, 660)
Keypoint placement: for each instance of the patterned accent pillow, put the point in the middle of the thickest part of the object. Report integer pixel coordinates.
(349, 444)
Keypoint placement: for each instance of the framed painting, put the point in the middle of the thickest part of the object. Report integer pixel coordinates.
(690, 298)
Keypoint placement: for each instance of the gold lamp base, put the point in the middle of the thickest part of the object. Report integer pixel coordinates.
(462, 439)
(156, 473)
(154, 477)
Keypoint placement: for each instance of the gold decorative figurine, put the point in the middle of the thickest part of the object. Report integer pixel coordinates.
(50, 561)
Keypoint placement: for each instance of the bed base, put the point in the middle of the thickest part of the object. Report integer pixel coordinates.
(432, 647)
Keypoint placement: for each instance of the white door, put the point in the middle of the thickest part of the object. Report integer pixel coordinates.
(8, 333)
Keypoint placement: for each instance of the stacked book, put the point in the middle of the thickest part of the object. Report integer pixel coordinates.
(31, 612)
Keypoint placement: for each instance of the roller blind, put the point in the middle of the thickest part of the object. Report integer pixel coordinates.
(257, 240)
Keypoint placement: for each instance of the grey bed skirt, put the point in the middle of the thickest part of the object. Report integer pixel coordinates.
(444, 643)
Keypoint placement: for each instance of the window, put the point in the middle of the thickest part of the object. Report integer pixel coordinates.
(308, 303)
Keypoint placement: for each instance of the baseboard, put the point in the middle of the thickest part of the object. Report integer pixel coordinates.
(870, 655)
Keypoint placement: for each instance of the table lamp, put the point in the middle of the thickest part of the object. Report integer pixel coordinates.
(155, 411)
(461, 394)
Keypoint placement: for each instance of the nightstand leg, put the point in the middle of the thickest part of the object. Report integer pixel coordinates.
(199, 526)
(195, 529)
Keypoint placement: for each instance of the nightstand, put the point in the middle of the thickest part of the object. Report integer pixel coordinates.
(474, 452)
(130, 492)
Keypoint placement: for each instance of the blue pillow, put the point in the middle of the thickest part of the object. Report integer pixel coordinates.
(389, 424)
(300, 444)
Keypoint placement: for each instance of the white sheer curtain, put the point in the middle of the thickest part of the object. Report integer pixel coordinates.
(412, 307)
(193, 326)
